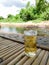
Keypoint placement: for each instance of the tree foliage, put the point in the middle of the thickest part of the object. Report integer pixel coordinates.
(41, 6)
(40, 11)
(35, 12)
(28, 5)
(27, 14)
(10, 16)
(1, 18)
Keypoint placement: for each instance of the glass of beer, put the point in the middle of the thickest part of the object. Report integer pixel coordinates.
(30, 37)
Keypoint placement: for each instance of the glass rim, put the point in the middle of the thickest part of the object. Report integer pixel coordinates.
(30, 32)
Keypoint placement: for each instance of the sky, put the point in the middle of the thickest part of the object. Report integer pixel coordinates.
(12, 6)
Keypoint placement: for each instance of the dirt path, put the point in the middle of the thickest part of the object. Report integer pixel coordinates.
(42, 24)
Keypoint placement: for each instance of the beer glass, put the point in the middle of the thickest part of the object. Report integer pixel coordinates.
(30, 37)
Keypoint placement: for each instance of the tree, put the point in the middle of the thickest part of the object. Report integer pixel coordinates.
(17, 16)
(46, 16)
(40, 11)
(1, 18)
(41, 6)
(10, 16)
(28, 4)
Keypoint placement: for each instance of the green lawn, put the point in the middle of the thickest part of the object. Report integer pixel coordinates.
(20, 20)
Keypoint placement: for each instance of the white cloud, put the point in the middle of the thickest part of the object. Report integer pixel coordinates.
(16, 1)
(12, 6)
(2, 1)
(48, 0)
(31, 1)
(4, 11)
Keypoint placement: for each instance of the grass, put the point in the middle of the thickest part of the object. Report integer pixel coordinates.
(20, 20)
(37, 20)
(11, 20)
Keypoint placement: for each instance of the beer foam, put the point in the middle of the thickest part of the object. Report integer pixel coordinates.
(30, 32)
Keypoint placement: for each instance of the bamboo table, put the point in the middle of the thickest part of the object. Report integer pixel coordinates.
(12, 53)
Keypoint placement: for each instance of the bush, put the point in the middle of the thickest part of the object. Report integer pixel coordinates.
(28, 14)
(46, 17)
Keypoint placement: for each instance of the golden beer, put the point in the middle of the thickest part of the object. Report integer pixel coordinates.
(30, 43)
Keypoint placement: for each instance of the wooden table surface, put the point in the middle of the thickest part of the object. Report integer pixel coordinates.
(42, 42)
(12, 53)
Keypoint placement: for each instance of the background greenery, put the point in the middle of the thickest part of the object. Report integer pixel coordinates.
(37, 13)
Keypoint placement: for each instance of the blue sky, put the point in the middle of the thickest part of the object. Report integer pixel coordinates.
(12, 6)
